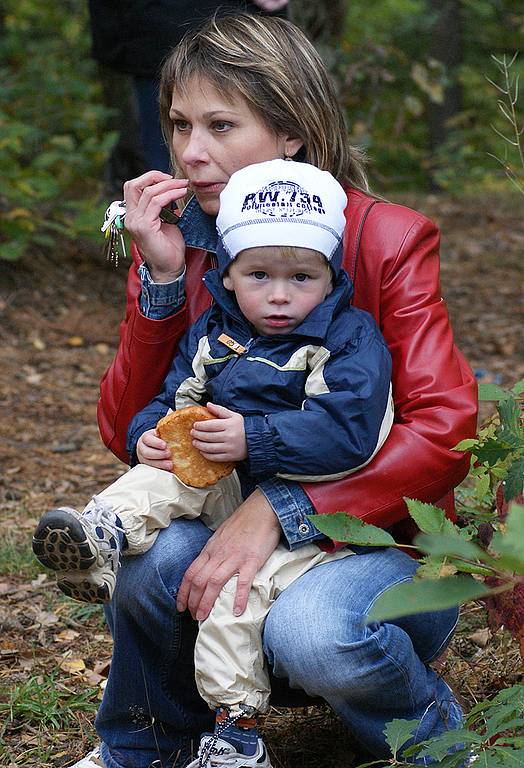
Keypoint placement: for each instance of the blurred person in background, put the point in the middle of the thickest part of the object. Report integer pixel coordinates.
(130, 40)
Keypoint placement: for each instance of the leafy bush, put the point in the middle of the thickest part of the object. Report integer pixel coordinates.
(51, 139)
(389, 81)
(483, 558)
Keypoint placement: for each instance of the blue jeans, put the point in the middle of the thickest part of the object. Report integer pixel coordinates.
(313, 636)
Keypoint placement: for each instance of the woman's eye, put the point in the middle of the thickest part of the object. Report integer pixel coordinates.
(301, 277)
(181, 125)
(259, 275)
(221, 126)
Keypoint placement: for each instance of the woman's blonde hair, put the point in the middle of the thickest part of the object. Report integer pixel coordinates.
(271, 64)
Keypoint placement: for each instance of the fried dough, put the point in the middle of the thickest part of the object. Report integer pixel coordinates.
(188, 463)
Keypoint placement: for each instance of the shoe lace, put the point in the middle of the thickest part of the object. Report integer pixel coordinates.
(100, 513)
(206, 749)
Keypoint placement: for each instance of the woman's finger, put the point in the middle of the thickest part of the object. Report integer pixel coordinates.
(134, 187)
(157, 196)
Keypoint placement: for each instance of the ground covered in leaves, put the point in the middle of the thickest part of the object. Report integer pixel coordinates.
(59, 318)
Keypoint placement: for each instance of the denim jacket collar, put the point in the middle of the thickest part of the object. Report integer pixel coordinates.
(197, 227)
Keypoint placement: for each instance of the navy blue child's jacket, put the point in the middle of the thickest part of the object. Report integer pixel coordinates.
(316, 402)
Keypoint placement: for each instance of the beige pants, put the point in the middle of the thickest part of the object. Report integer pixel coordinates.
(229, 661)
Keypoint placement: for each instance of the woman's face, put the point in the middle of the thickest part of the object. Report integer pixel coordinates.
(215, 135)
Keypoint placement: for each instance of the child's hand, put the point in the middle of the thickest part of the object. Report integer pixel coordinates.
(223, 438)
(152, 450)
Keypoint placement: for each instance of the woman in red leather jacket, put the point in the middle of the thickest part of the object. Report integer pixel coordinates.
(242, 90)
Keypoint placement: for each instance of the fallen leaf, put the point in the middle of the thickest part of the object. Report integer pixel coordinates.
(74, 666)
(38, 344)
(46, 618)
(66, 636)
(8, 646)
(481, 637)
(34, 378)
(26, 664)
(75, 341)
(102, 667)
(40, 579)
(92, 677)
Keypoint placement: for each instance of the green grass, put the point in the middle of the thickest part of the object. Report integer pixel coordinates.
(83, 613)
(44, 703)
(16, 557)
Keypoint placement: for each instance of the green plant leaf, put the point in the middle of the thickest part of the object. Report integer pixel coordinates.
(519, 387)
(439, 746)
(420, 596)
(397, 732)
(492, 392)
(430, 519)
(465, 445)
(12, 251)
(343, 527)
(430, 568)
(492, 451)
(510, 415)
(501, 713)
(515, 480)
(482, 488)
(468, 568)
(451, 545)
(509, 545)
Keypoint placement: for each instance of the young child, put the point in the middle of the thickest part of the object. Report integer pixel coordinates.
(299, 384)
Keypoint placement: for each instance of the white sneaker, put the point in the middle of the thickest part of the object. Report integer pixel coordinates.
(92, 760)
(83, 548)
(214, 752)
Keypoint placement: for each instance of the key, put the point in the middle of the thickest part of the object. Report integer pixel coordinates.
(113, 228)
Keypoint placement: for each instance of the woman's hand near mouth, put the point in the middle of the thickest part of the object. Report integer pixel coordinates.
(161, 244)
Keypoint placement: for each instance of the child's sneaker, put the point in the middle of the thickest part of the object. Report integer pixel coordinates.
(84, 549)
(214, 752)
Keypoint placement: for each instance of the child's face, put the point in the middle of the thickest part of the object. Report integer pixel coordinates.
(276, 293)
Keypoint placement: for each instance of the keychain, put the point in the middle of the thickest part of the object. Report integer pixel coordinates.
(113, 229)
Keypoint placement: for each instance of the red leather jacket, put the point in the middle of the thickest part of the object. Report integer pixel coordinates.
(392, 254)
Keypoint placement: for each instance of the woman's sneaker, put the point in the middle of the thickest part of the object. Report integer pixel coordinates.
(84, 549)
(92, 760)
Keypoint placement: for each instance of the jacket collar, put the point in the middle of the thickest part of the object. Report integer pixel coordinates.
(314, 326)
(198, 228)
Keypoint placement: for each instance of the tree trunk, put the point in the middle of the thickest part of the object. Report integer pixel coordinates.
(323, 22)
(446, 47)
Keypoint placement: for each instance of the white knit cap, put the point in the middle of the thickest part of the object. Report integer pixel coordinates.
(281, 202)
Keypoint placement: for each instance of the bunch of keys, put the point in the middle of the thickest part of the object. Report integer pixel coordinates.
(113, 229)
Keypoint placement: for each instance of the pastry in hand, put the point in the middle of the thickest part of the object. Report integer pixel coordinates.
(188, 463)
